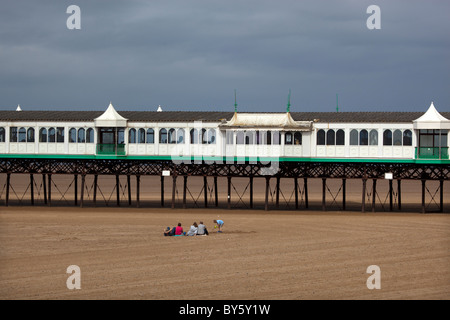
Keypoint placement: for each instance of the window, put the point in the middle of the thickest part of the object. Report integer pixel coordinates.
(163, 136)
(22, 135)
(240, 137)
(150, 136)
(363, 138)
(407, 138)
(373, 137)
(354, 137)
(331, 137)
(211, 136)
(180, 136)
(51, 135)
(248, 137)
(132, 135)
(81, 135)
(276, 138)
(90, 135)
(387, 138)
(397, 138)
(194, 136)
(268, 139)
(298, 138)
(2, 134)
(321, 137)
(43, 135)
(204, 136)
(13, 134)
(141, 136)
(72, 135)
(60, 134)
(288, 138)
(229, 136)
(172, 136)
(340, 137)
(30, 135)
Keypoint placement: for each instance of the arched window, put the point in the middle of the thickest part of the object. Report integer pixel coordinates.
(43, 135)
(363, 138)
(240, 137)
(268, 139)
(180, 136)
(354, 137)
(229, 136)
(2, 134)
(141, 135)
(211, 136)
(30, 135)
(298, 138)
(194, 136)
(276, 138)
(81, 135)
(132, 135)
(150, 135)
(163, 135)
(51, 135)
(407, 138)
(387, 138)
(397, 138)
(22, 135)
(288, 138)
(72, 135)
(340, 137)
(204, 136)
(90, 135)
(249, 137)
(60, 134)
(331, 137)
(172, 136)
(321, 137)
(373, 137)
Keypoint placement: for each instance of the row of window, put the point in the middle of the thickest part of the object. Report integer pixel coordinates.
(27, 134)
(172, 136)
(81, 135)
(364, 137)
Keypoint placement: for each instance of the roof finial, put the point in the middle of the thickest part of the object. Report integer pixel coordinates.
(337, 105)
(289, 102)
(159, 109)
(235, 102)
(18, 108)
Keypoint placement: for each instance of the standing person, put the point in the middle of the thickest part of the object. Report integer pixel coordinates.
(193, 230)
(179, 230)
(201, 230)
(219, 224)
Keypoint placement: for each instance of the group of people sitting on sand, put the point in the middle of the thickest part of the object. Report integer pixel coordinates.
(195, 230)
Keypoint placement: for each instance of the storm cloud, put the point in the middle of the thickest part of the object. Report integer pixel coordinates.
(193, 54)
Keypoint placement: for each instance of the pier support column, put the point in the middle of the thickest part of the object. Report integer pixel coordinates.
(118, 190)
(324, 184)
(277, 197)
(399, 193)
(75, 177)
(83, 181)
(138, 190)
(229, 192)
(391, 201)
(305, 188)
(363, 202)
(174, 190)
(44, 186)
(49, 176)
(184, 190)
(266, 202)
(423, 195)
(162, 191)
(374, 194)
(32, 189)
(205, 190)
(344, 193)
(216, 192)
(8, 183)
(296, 192)
(95, 189)
(251, 192)
(129, 189)
(441, 195)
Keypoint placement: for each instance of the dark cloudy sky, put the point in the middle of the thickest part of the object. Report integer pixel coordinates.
(192, 54)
